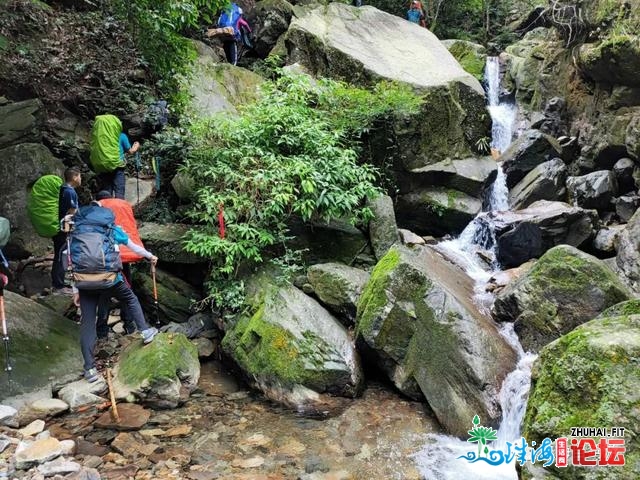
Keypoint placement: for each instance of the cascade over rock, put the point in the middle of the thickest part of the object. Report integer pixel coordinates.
(365, 45)
(290, 347)
(564, 289)
(418, 320)
(43, 345)
(591, 376)
(528, 233)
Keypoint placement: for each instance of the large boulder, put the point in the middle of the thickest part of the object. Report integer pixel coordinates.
(365, 45)
(21, 166)
(628, 248)
(175, 296)
(271, 19)
(338, 287)
(544, 182)
(594, 190)
(564, 289)
(21, 122)
(288, 341)
(528, 233)
(589, 377)
(471, 56)
(436, 211)
(219, 87)
(43, 345)
(383, 231)
(614, 61)
(418, 319)
(161, 374)
(530, 150)
(167, 242)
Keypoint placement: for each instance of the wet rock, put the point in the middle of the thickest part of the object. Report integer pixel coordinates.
(82, 392)
(624, 170)
(564, 289)
(594, 190)
(179, 431)
(30, 454)
(436, 211)
(195, 326)
(407, 237)
(8, 416)
(158, 374)
(626, 206)
(607, 238)
(545, 182)
(417, 316)
(128, 445)
(628, 258)
(60, 466)
(526, 234)
(132, 417)
(291, 341)
(587, 377)
(34, 428)
(174, 295)
(166, 242)
(338, 287)
(530, 150)
(383, 231)
(205, 347)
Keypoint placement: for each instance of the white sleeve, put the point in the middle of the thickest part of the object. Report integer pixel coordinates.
(138, 250)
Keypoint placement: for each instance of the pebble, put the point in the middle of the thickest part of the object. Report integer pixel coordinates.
(8, 416)
(59, 466)
(32, 429)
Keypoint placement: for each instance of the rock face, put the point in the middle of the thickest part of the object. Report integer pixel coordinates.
(471, 56)
(219, 87)
(290, 341)
(365, 45)
(594, 190)
(338, 287)
(174, 296)
(530, 150)
(628, 258)
(417, 318)
(564, 289)
(272, 18)
(589, 377)
(42, 345)
(528, 233)
(544, 182)
(383, 231)
(167, 242)
(21, 122)
(160, 373)
(22, 165)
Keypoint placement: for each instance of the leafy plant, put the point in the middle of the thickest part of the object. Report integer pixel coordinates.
(483, 145)
(293, 152)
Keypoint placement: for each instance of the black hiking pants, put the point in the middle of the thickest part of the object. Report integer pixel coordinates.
(104, 309)
(89, 300)
(57, 270)
(231, 51)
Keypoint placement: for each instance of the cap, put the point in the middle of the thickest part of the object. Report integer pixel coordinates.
(102, 194)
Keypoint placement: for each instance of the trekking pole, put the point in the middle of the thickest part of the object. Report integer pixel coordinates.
(138, 176)
(155, 294)
(5, 333)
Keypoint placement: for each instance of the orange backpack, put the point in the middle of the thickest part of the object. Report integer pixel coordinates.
(125, 219)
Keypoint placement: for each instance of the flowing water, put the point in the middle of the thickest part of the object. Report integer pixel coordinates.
(474, 251)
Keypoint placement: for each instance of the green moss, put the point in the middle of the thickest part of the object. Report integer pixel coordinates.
(374, 296)
(630, 307)
(451, 198)
(471, 60)
(161, 360)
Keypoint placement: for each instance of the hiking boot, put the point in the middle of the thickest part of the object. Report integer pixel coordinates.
(149, 334)
(92, 375)
(68, 291)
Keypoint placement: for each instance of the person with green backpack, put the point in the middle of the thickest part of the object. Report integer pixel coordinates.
(109, 147)
(67, 205)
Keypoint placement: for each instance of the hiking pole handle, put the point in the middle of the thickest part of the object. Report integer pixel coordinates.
(155, 286)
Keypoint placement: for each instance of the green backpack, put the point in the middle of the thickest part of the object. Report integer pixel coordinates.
(42, 205)
(105, 143)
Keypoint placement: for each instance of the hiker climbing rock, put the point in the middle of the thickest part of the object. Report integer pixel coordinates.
(109, 147)
(94, 260)
(415, 14)
(125, 219)
(232, 28)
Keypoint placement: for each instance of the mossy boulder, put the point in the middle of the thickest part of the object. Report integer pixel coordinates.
(383, 230)
(160, 374)
(338, 287)
(44, 346)
(589, 378)
(614, 60)
(628, 248)
(629, 307)
(418, 320)
(436, 211)
(175, 296)
(167, 242)
(563, 290)
(288, 340)
(271, 19)
(471, 56)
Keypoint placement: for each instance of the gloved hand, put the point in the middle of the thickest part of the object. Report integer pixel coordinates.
(3, 281)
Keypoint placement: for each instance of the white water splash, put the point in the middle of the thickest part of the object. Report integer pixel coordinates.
(499, 198)
(503, 113)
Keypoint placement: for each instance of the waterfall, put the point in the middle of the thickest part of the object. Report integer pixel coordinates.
(474, 251)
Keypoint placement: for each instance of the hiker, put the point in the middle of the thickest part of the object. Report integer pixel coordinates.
(125, 220)
(96, 265)
(109, 147)
(241, 30)
(67, 205)
(415, 14)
